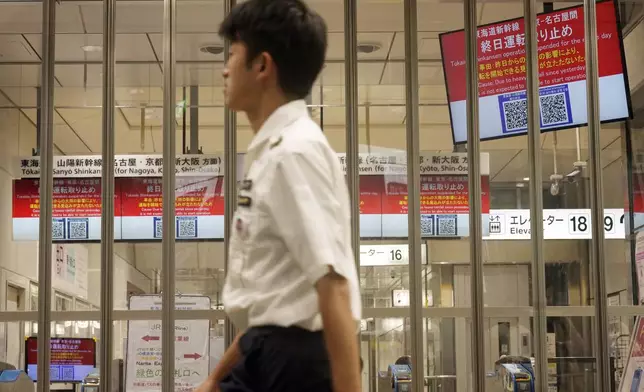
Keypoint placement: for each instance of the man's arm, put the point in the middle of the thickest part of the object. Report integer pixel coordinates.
(223, 368)
(339, 332)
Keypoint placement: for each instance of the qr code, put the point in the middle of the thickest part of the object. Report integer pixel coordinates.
(187, 227)
(54, 373)
(446, 225)
(158, 228)
(553, 109)
(68, 373)
(78, 229)
(58, 229)
(427, 225)
(515, 114)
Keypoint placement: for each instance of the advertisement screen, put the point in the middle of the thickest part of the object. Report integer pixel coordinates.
(72, 359)
(562, 73)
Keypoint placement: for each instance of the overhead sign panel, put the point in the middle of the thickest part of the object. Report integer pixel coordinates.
(81, 166)
(562, 73)
(199, 202)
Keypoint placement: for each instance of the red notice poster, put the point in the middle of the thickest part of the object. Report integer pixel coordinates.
(444, 195)
(199, 208)
(195, 196)
(438, 195)
(71, 359)
(72, 198)
(562, 73)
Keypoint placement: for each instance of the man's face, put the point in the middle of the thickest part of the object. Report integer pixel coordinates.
(241, 82)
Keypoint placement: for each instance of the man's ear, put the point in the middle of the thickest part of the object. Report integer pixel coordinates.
(265, 62)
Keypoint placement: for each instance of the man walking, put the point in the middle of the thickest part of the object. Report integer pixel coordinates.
(292, 287)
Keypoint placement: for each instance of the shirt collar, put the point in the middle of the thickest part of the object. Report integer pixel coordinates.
(277, 121)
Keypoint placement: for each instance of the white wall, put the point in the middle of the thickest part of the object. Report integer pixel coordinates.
(124, 272)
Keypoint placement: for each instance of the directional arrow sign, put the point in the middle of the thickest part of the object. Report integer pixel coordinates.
(144, 352)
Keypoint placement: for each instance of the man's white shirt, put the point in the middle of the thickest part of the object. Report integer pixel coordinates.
(291, 225)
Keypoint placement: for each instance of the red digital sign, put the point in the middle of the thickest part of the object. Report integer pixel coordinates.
(195, 196)
(439, 194)
(562, 73)
(73, 197)
(72, 359)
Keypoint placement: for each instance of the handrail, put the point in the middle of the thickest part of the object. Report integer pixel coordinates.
(440, 376)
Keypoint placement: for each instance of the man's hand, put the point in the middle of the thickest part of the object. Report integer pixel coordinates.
(210, 385)
(223, 368)
(339, 332)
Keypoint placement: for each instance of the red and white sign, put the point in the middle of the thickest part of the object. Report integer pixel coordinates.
(443, 190)
(72, 359)
(72, 198)
(562, 73)
(195, 196)
(199, 208)
(76, 209)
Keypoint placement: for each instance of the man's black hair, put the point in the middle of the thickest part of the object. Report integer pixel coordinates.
(294, 36)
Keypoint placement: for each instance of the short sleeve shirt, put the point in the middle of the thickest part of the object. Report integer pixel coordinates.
(292, 224)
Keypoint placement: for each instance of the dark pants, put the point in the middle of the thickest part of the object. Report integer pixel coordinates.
(276, 359)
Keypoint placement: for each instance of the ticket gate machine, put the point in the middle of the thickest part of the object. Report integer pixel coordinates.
(91, 382)
(515, 373)
(400, 378)
(12, 380)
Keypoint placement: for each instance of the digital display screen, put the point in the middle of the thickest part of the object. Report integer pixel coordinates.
(562, 73)
(72, 359)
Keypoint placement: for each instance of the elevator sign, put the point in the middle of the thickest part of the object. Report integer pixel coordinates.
(558, 224)
(144, 353)
(388, 255)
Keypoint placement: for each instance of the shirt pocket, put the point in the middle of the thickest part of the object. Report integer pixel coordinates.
(243, 232)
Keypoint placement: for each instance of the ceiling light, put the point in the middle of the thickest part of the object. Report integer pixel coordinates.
(136, 91)
(526, 178)
(212, 49)
(368, 47)
(92, 48)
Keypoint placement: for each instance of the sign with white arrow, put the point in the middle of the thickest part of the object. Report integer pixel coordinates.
(144, 353)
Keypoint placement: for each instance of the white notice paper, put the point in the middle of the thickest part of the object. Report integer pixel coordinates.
(144, 355)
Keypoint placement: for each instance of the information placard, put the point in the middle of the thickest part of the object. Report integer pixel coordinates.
(144, 354)
(384, 255)
(562, 73)
(72, 359)
(560, 224)
(91, 166)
